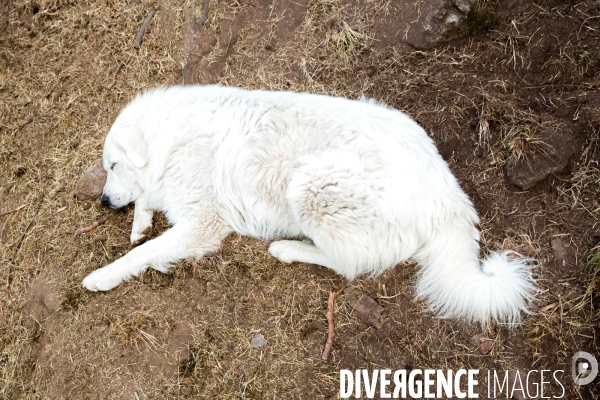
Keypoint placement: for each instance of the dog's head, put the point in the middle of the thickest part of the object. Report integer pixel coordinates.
(124, 159)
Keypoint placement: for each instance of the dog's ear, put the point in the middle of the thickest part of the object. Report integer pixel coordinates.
(132, 143)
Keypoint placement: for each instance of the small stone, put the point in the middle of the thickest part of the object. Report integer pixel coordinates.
(101, 238)
(367, 310)
(75, 143)
(484, 345)
(258, 341)
(91, 183)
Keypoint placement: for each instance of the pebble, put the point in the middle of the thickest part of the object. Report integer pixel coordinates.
(484, 345)
(258, 341)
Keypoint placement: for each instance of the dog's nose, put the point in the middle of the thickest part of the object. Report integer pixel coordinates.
(105, 200)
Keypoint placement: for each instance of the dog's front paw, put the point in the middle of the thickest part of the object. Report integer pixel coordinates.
(103, 279)
(140, 237)
(282, 250)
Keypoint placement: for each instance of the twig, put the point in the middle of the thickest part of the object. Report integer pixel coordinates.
(140, 34)
(18, 245)
(119, 67)
(12, 211)
(582, 154)
(330, 333)
(94, 225)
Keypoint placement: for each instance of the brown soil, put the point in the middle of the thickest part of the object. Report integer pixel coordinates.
(514, 87)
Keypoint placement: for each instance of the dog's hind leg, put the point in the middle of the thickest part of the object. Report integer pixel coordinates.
(336, 200)
(289, 251)
(181, 241)
(142, 222)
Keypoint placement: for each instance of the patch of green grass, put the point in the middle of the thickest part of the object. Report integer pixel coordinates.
(591, 297)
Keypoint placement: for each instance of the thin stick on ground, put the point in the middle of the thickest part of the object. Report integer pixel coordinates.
(94, 225)
(114, 80)
(20, 241)
(330, 332)
(140, 34)
(120, 66)
(12, 211)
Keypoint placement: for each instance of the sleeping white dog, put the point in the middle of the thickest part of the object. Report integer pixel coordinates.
(361, 183)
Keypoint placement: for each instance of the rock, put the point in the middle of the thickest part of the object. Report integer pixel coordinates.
(91, 183)
(553, 157)
(101, 238)
(367, 310)
(401, 23)
(75, 143)
(258, 341)
(484, 345)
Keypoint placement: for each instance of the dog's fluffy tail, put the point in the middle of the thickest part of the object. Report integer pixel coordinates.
(457, 284)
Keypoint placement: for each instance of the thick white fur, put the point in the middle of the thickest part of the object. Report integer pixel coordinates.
(362, 181)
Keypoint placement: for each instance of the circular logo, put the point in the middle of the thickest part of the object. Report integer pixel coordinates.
(584, 372)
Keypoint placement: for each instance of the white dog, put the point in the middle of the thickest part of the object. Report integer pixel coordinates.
(362, 181)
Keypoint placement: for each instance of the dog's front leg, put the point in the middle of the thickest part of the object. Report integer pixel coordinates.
(142, 222)
(180, 242)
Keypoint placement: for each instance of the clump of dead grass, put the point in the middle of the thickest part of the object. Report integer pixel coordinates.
(132, 328)
(345, 40)
(509, 133)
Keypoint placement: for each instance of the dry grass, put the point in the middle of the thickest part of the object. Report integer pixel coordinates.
(484, 100)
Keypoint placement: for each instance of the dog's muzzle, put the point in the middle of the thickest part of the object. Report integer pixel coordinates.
(106, 200)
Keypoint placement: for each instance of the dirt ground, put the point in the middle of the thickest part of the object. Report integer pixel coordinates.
(510, 93)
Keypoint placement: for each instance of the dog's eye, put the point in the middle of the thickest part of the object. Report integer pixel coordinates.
(112, 166)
